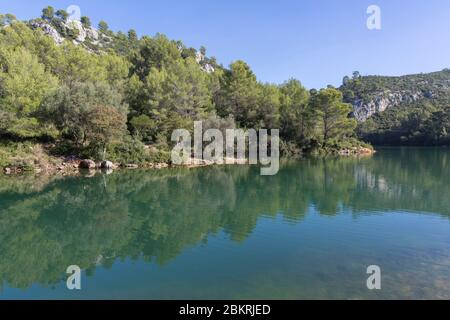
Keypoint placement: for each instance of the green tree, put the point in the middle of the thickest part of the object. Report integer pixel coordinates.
(62, 14)
(269, 106)
(132, 35)
(295, 116)
(85, 21)
(332, 114)
(48, 13)
(239, 95)
(24, 83)
(103, 27)
(144, 127)
(71, 106)
(106, 124)
(158, 52)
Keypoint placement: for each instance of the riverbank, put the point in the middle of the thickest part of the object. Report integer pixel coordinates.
(37, 159)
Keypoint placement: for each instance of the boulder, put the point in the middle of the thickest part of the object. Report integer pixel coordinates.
(7, 170)
(107, 165)
(161, 166)
(87, 164)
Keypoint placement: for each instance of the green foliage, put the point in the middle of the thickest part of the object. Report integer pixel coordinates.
(85, 21)
(103, 27)
(105, 125)
(62, 14)
(6, 19)
(23, 155)
(132, 36)
(24, 84)
(144, 127)
(295, 115)
(332, 114)
(70, 107)
(129, 150)
(48, 13)
(425, 124)
(239, 95)
(85, 100)
(424, 121)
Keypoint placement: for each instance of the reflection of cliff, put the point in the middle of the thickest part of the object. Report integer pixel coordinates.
(156, 215)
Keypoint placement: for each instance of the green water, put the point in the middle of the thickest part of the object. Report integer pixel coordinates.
(309, 232)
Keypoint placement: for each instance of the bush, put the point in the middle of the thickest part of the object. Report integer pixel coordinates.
(159, 156)
(130, 150)
(25, 156)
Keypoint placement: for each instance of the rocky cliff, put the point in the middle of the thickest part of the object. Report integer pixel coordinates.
(374, 94)
(381, 101)
(407, 110)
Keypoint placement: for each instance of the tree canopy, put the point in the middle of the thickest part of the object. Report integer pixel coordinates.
(153, 84)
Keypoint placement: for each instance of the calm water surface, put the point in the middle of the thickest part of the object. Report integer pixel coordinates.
(226, 232)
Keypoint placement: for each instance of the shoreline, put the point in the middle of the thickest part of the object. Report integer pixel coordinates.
(72, 166)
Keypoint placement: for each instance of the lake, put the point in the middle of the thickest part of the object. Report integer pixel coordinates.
(310, 232)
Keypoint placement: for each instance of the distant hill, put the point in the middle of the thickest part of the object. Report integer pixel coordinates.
(406, 110)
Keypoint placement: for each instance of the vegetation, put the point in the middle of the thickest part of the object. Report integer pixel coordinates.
(424, 120)
(92, 98)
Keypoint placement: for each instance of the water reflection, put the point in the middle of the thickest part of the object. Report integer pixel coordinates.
(48, 223)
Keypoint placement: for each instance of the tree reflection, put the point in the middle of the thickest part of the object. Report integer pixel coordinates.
(48, 223)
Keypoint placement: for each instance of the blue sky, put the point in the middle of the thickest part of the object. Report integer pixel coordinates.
(315, 41)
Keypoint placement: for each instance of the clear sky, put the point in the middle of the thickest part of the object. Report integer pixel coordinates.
(315, 41)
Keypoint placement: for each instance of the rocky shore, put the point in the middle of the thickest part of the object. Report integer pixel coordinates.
(357, 151)
(72, 166)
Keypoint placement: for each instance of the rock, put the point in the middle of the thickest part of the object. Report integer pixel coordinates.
(366, 151)
(48, 30)
(199, 57)
(107, 171)
(92, 33)
(161, 165)
(383, 100)
(131, 166)
(7, 170)
(208, 68)
(107, 165)
(87, 164)
(81, 32)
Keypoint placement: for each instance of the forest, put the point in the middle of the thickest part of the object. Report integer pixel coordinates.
(87, 90)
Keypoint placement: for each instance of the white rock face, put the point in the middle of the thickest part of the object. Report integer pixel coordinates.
(208, 68)
(48, 30)
(76, 25)
(92, 33)
(200, 58)
(363, 110)
(83, 33)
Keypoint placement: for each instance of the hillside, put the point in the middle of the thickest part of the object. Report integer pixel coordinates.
(73, 91)
(406, 110)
